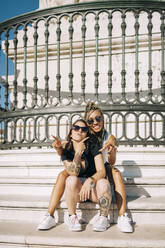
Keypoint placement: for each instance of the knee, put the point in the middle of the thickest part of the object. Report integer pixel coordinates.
(62, 175)
(103, 186)
(71, 183)
(116, 174)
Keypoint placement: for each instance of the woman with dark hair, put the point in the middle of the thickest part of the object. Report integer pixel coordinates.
(85, 178)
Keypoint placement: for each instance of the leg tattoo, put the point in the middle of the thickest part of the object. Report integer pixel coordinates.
(104, 203)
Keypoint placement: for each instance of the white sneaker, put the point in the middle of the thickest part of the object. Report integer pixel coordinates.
(124, 223)
(74, 224)
(101, 224)
(47, 222)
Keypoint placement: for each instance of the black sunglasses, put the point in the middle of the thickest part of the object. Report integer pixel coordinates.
(97, 119)
(77, 128)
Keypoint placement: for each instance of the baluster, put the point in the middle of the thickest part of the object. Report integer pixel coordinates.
(70, 59)
(83, 74)
(0, 66)
(1, 104)
(1, 132)
(15, 42)
(0, 75)
(46, 63)
(29, 131)
(5, 131)
(145, 127)
(123, 72)
(20, 132)
(150, 26)
(25, 39)
(0, 96)
(15, 130)
(110, 72)
(162, 28)
(35, 79)
(136, 26)
(12, 132)
(58, 76)
(7, 71)
(96, 73)
(39, 132)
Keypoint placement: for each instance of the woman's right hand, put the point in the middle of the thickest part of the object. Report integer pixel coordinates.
(57, 143)
(85, 190)
(79, 147)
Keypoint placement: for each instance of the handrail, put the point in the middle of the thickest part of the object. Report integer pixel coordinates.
(64, 56)
(69, 8)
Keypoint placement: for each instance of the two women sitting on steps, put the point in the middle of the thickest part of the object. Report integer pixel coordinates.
(95, 121)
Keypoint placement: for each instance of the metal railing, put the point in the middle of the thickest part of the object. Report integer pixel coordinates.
(110, 52)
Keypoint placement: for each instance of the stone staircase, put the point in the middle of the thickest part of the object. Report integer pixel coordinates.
(27, 177)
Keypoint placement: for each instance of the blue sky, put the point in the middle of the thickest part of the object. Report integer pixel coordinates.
(12, 8)
(9, 9)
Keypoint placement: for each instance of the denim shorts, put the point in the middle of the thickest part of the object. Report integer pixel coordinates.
(83, 179)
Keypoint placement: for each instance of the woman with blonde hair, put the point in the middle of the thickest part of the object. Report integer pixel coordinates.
(95, 120)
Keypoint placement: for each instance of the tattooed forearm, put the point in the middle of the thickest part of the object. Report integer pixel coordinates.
(77, 160)
(74, 167)
(104, 203)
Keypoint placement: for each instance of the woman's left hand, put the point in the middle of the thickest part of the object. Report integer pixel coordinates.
(85, 190)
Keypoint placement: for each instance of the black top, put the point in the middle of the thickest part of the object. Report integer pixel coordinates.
(88, 156)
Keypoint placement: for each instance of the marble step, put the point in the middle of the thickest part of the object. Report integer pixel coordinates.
(43, 186)
(47, 156)
(23, 234)
(51, 171)
(132, 162)
(148, 210)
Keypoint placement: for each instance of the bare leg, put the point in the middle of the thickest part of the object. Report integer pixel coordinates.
(103, 197)
(102, 194)
(73, 187)
(57, 192)
(119, 191)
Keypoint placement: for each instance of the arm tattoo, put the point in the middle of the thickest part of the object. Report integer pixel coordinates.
(104, 203)
(72, 168)
(77, 160)
(75, 166)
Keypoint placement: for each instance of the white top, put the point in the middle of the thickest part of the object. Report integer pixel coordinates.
(105, 152)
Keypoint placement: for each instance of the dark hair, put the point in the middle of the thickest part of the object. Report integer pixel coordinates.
(69, 145)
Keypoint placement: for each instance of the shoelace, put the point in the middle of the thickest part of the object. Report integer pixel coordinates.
(74, 219)
(126, 219)
(44, 218)
(100, 219)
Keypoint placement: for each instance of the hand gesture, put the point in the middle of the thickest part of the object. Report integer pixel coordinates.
(79, 147)
(85, 191)
(110, 145)
(57, 143)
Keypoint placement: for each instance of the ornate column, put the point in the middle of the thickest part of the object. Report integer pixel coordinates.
(52, 3)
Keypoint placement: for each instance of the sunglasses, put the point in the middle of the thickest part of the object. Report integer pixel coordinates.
(77, 128)
(97, 119)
